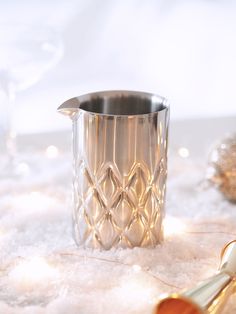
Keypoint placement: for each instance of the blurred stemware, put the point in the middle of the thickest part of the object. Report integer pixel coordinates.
(27, 51)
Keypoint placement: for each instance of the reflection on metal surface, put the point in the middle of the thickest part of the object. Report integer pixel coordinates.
(222, 166)
(210, 296)
(120, 167)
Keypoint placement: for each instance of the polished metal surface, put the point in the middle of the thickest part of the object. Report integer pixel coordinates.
(120, 168)
(208, 297)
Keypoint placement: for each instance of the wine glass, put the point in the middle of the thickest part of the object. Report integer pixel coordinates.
(26, 52)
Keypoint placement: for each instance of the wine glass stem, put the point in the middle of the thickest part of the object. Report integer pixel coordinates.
(10, 133)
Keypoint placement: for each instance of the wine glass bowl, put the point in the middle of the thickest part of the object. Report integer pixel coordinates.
(27, 52)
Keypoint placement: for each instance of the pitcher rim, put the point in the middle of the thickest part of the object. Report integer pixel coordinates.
(75, 102)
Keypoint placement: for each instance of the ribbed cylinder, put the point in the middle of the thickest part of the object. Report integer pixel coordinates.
(120, 168)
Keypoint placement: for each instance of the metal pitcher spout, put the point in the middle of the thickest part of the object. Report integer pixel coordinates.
(70, 107)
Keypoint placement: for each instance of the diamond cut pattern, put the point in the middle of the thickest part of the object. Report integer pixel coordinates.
(119, 179)
(128, 217)
(109, 184)
(122, 211)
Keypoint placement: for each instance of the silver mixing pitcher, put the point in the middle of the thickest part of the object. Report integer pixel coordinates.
(120, 167)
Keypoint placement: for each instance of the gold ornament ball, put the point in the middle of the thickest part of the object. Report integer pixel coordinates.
(222, 167)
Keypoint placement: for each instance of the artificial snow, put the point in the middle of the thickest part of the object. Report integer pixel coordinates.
(43, 272)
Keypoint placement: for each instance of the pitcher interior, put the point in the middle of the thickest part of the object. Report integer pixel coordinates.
(123, 104)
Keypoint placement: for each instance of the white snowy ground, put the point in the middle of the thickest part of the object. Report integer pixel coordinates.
(42, 271)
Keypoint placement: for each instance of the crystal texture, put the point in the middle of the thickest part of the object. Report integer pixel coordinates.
(120, 168)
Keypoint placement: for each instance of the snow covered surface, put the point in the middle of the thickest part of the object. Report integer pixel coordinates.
(43, 272)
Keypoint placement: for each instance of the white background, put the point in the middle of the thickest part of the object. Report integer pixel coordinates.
(183, 50)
